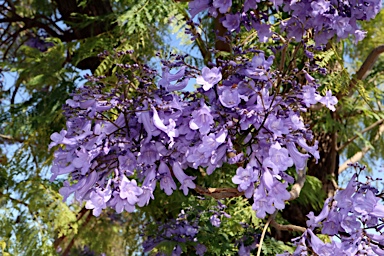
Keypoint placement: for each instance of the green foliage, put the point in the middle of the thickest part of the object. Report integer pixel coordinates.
(273, 247)
(325, 57)
(312, 193)
(364, 107)
(29, 220)
(223, 240)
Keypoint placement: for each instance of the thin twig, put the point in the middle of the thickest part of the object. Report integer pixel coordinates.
(359, 155)
(11, 5)
(350, 140)
(14, 199)
(10, 138)
(288, 227)
(264, 231)
(199, 41)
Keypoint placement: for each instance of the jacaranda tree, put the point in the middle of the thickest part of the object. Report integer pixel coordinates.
(248, 161)
(246, 122)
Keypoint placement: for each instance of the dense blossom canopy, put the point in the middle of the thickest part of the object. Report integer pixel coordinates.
(121, 142)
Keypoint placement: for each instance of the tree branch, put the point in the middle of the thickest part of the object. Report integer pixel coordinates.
(221, 31)
(11, 5)
(72, 242)
(79, 216)
(14, 199)
(221, 193)
(31, 23)
(359, 155)
(5, 31)
(288, 227)
(218, 193)
(354, 159)
(10, 139)
(18, 201)
(362, 73)
(199, 41)
(350, 140)
(296, 188)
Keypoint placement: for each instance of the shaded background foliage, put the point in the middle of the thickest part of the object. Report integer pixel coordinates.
(47, 44)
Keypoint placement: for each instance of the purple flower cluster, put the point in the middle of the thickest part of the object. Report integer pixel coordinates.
(39, 44)
(123, 139)
(354, 215)
(321, 18)
(178, 230)
(118, 146)
(184, 229)
(327, 19)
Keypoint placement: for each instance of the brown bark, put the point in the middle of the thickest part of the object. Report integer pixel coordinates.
(326, 169)
(221, 31)
(72, 242)
(218, 193)
(95, 8)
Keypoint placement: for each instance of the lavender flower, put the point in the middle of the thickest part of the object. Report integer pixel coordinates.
(209, 77)
(352, 211)
(200, 249)
(197, 6)
(222, 5)
(278, 159)
(127, 163)
(168, 129)
(98, 200)
(112, 135)
(309, 95)
(231, 22)
(244, 177)
(215, 221)
(229, 97)
(263, 31)
(328, 100)
(166, 182)
(201, 119)
(168, 78)
(185, 180)
(250, 4)
(130, 191)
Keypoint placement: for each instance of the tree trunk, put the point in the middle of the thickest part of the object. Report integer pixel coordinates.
(327, 168)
